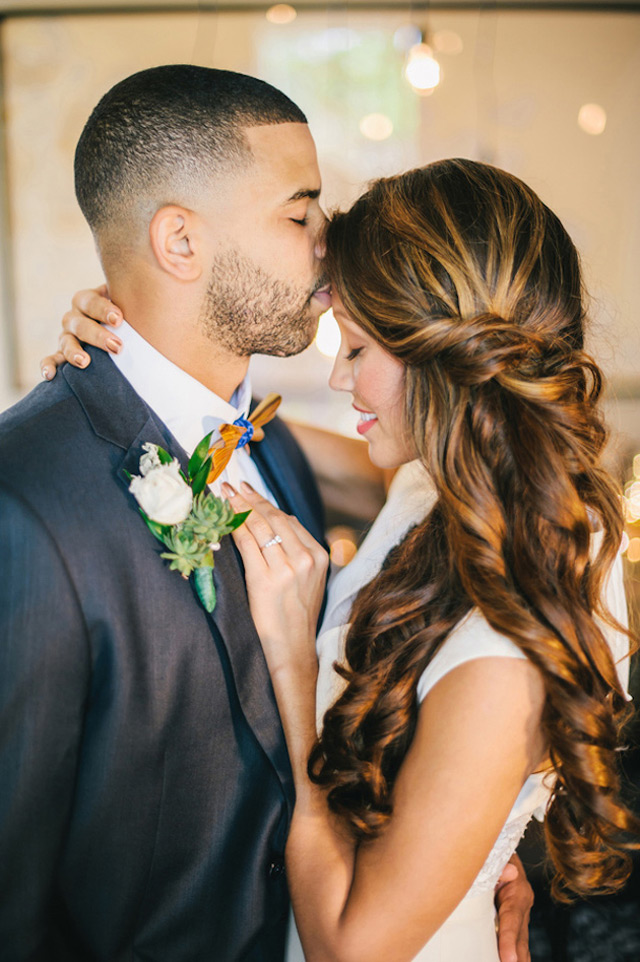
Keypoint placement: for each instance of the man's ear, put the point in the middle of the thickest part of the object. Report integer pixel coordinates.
(171, 234)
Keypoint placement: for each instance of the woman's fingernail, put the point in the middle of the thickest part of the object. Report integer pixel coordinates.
(81, 360)
(46, 373)
(113, 318)
(246, 487)
(228, 491)
(114, 345)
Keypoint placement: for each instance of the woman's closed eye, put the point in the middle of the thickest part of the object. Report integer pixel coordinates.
(303, 221)
(352, 355)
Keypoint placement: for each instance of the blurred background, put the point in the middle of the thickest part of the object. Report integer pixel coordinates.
(549, 91)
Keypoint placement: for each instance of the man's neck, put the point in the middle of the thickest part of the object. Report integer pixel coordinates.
(218, 370)
(177, 336)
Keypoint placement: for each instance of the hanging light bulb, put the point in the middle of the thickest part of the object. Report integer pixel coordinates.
(422, 70)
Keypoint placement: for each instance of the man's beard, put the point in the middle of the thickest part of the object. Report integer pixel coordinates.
(250, 312)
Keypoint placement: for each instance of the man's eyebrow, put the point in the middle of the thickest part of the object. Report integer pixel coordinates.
(301, 194)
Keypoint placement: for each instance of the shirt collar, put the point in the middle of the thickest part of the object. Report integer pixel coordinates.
(188, 408)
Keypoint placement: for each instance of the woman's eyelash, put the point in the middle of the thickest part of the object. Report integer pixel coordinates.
(302, 221)
(352, 355)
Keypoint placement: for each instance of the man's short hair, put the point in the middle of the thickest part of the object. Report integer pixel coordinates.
(162, 132)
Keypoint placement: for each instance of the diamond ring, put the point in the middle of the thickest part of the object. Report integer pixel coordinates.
(275, 540)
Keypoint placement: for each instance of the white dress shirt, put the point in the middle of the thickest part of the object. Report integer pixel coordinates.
(187, 407)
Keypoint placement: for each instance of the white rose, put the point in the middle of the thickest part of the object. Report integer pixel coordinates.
(163, 494)
(150, 459)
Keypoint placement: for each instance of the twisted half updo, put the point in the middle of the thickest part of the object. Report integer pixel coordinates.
(461, 272)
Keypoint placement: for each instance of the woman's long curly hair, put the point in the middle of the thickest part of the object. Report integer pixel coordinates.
(461, 272)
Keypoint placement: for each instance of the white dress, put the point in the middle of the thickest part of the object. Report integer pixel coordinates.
(469, 932)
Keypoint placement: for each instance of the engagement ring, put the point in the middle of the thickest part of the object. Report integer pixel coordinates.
(275, 540)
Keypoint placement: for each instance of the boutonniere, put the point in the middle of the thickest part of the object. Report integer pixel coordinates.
(183, 514)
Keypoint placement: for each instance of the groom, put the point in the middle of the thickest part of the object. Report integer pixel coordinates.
(145, 790)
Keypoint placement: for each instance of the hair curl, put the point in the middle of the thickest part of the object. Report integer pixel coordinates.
(459, 270)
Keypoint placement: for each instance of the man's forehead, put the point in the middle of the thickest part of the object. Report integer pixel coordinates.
(286, 153)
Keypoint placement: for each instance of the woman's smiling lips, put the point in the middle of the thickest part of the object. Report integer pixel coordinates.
(367, 420)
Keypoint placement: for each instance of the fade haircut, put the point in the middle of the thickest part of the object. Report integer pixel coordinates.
(159, 135)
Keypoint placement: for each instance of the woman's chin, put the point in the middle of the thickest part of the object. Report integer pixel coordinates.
(385, 459)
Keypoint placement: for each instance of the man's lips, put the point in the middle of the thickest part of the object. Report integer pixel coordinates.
(323, 295)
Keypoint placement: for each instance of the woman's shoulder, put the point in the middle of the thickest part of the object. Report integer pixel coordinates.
(472, 638)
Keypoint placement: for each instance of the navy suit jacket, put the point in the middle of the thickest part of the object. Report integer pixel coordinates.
(145, 788)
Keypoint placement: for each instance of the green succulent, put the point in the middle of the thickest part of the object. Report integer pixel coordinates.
(192, 543)
(184, 553)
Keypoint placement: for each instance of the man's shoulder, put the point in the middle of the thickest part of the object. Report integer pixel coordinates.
(55, 429)
(33, 432)
(34, 413)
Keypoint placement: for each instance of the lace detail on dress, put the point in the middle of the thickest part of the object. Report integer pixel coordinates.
(500, 854)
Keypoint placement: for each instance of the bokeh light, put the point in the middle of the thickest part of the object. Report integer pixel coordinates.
(592, 118)
(406, 37)
(281, 13)
(633, 551)
(422, 70)
(342, 545)
(328, 336)
(376, 127)
(447, 41)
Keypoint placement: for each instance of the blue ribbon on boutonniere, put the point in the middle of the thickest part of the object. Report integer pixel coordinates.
(243, 430)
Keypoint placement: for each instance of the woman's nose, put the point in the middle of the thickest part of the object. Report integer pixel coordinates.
(340, 377)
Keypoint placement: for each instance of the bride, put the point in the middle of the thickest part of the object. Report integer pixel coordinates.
(471, 668)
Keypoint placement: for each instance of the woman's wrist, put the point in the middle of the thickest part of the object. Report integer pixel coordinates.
(295, 690)
(291, 664)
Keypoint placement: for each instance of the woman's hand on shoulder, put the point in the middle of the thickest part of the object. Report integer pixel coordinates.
(286, 572)
(90, 311)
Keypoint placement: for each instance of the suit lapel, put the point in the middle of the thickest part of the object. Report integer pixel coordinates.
(275, 466)
(232, 619)
(119, 416)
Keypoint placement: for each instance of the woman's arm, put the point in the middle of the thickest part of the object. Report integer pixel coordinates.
(478, 738)
(349, 482)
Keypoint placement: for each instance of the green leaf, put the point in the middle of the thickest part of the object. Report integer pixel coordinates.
(205, 587)
(127, 475)
(178, 563)
(237, 520)
(159, 531)
(200, 480)
(207, 561)
(199, 456)
(164, 456)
